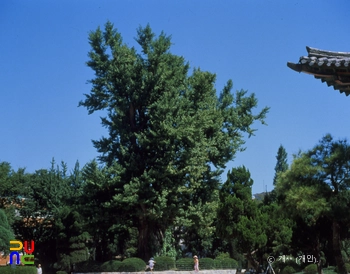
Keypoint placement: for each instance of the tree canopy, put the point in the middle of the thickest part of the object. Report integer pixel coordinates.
(169, 133)
(316, 190)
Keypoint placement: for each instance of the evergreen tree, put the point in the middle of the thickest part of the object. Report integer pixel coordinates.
(6, 234)
(281, 165)
(170, 136)
(71, 239)
(239, 216)
(316, 189)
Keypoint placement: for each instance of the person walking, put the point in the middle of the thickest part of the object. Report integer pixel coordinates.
(150, 265)
(39, 270)
(196, 263)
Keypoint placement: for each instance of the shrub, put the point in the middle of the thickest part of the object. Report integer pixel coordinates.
(291, 262)
(347, 266)
(87, 266)
(110, 266)
(206, 263)
(61, 272)
(132, 265)
(288, 270)
(26, 270)
(164, 263)
(223, 255)
(311, 269)
(225, 263)
(185, 264)
(18, 270)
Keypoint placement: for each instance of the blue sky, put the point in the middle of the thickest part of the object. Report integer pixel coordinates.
(43, 76)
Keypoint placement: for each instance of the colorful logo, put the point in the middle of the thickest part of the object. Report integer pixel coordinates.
(19, 247)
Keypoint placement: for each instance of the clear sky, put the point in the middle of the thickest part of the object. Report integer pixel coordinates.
(43, 76)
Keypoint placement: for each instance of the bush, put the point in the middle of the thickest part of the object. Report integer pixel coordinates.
(185, 264)
(225, 263)
(164, 263)
(61, 272)
(87, 266)
(110, 266)
(132, 265)
(18, 270)
(206, 263)
(291, 262)
(288, 270)
(311, 269)
(223, 255)
(347, 266)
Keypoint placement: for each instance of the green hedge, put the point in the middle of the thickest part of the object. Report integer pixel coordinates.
(132, 265)
(164, 263)
(225, 263)
(110, 266)
(288, 270)
(347, 266)
(185, 264)
(61, 272)
(311, 269)
(291, 262)
(206, 263)
(18, 270)
(88, 266)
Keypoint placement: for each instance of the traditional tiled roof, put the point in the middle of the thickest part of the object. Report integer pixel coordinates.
(329, 66)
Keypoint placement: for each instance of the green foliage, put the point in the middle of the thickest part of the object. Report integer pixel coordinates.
(88, 266)
(222, 255)
(198, 228)
(110, 266)
(18, 270)
(206, 263)
(310, 269)
(169, 245)
(185, 264)
(279, 229)
(169, 134)
(281, 165)
(239, 217)
(61, 272)
(6, 234)
(71, 239)
(347, 267)
(225, 263)
(164, 263)
(288, 270)
(132, 265)
(315, 192)
(290, 262)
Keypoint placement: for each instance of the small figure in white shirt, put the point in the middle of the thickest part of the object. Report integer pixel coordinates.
(150, 265)
(40, 270)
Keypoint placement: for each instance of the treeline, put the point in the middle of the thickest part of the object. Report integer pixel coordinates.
(72, 219)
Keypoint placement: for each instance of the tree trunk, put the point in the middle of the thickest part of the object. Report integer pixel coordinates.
(318, 256)
(254, 263)
(143, 247)
(337, 248)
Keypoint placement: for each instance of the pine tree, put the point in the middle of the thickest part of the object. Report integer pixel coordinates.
(315, 190)
(239, 216)
(281, 164)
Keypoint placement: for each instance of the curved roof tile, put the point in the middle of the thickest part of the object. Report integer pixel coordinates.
(329, 66)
